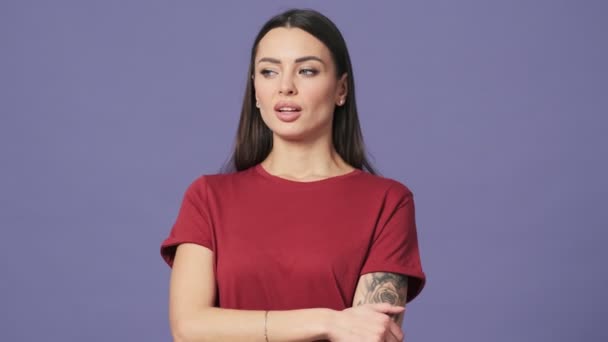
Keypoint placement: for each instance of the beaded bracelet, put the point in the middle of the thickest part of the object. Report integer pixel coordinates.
(265, 323)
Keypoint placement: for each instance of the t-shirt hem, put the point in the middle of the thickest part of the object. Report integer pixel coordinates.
(169, 247)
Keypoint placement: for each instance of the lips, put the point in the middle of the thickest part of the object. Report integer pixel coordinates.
(287, 111)
(285, 106)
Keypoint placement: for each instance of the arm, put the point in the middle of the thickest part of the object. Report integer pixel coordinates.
(193, 318)
(382, 287)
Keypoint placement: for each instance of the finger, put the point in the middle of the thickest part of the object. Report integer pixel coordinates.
(395, 331)
(396, 315)
(390, 337)
(387, 308)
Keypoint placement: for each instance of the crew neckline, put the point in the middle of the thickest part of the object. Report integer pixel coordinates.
(264, 173)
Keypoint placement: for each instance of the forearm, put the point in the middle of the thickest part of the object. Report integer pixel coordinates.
(217, 324)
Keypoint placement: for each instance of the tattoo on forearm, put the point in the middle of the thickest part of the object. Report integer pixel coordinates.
(382, 287)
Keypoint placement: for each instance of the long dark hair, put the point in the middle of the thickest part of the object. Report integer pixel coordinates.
(253, 140)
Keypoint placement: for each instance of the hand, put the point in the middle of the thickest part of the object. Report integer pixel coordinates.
(366, 323)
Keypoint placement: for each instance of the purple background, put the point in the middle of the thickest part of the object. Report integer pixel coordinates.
(493, 113)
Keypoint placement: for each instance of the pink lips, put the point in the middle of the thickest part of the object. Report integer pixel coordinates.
(287, 115)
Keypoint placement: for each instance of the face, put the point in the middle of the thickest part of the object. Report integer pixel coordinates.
(296, 85)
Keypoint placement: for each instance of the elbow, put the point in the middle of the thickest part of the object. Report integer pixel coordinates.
(179, 332)
(188, 330)
(178, 336)
(184, 331)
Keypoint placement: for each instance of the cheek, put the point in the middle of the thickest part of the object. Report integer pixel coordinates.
(261, 90)
(319, 95)
(264, 92)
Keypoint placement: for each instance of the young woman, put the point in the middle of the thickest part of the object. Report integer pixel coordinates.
(297, 242)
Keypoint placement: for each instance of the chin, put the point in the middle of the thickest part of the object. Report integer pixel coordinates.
(289, 134)
(292, 131)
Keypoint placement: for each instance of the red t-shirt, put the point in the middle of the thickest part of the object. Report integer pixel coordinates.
(281, 244)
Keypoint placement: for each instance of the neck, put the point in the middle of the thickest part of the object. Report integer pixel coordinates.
(300, 160)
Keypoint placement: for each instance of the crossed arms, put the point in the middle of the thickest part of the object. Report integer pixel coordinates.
(382, 287)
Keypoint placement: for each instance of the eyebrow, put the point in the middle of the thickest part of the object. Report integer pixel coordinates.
(298, 60)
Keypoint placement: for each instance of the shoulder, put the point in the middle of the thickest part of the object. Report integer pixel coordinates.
(212, 181)
(389, 187)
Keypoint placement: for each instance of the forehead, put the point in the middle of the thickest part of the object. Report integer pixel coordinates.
(288, 44)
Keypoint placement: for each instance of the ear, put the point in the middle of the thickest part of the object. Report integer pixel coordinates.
(256, 96)
(342, 88)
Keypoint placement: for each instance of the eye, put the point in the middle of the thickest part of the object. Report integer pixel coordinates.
(309, 72)
(266, 72)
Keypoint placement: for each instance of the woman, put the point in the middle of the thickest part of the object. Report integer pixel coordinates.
(298, 243)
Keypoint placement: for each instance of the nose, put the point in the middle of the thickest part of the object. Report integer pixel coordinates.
(287, 86)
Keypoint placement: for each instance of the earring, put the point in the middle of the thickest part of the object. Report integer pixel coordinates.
(341, 102)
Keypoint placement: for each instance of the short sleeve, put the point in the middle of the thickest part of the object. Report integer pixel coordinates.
(193, 222)
(395, 243)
